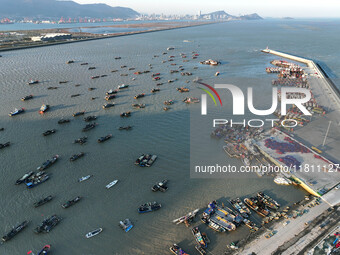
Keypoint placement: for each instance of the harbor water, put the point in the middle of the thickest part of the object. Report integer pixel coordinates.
(236, 44)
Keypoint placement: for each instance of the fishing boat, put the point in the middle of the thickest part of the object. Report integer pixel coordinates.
(106, 106)
(44, 108)
(43, 201)
(125, 114)
(63, 121)
(149, 207)
(198, 237)
(37, 180)
(126, 225)
(186, 219)
(78, 114)
(240, 207)
(70, 62)
(25, 98)
(89, 127)
(4, 145)
(268, 201)
(48, 163)
(49, 132)
(169, 102)
(217, 73)
(139, 106)
(110, 97)
(48, 224)
(175, 249)
(111, 92)
(90, 118)
(257, 206)
(71, 202)
(31, 82)
(160, 186)
(125, 128)
(94, 233)
(16, 230)
(123, 86)
(81, 140)
(24, 178)
(111, 184)
(46, 249)
(146, 160)
(104, 138)
(16, 112)
(84, 178)
(139, 96)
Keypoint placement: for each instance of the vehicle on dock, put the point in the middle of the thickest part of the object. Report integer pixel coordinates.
(104, 138)
(175, 249)
(81, 140)
(48, 224)
(94, 233)
(76, 114)
(77, 156)
(4, 145)
(106, 106)
(48, 163)
(31, 82)
(125, 114)
(146, 160)
(71, 202)
(16, 112)
(240, 207)
(111, 184)
(63, 121)
(24, 178)
(45, 250)
(89, 127)
(139, 106)
(44, 108)
(49, 132)
(126, 225)
(123, 86)
(160, 186)
(90, 118)
(125, 128)
(200, 240)
(84, 178)
(149, 207)
(268, 201)
(139, 96)
(43, 201)
(25, 98)
(316, 150)
(16, 230)
(186, 219)
(257, 206)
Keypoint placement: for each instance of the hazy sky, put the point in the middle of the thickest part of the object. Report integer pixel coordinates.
(266, 8)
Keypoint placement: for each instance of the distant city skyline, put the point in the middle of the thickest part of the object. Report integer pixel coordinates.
(265, 8)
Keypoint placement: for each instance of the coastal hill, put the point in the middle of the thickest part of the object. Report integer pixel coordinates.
(54, 8)
(225, 15)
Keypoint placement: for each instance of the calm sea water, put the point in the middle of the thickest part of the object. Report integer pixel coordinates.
(236, 44)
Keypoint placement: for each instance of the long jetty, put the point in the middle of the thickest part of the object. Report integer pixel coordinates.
(326, 81)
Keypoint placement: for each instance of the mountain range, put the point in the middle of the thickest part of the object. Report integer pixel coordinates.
(54, 8)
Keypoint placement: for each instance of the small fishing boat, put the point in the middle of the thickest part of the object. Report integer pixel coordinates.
(16, 112)
(123, 86)
(111, 184)
(25, 98)
(84, 178)
(45, 249)
(126, 225)
(44, 108)
(94, 233)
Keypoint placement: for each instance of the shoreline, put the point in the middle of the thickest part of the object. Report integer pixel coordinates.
(99, 36)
